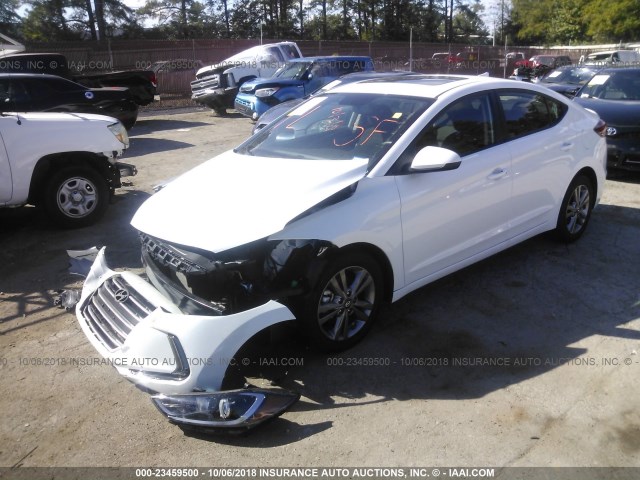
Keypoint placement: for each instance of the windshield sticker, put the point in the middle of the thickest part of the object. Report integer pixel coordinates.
(555, 74)
(599, 80)
(397, 115)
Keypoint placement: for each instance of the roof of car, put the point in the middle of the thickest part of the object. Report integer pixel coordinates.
(610, 70)
(420, 84)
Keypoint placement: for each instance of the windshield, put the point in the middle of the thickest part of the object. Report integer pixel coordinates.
(575, 76)
(338, 126)
(621, 85)
(292, 71)
(245, 55)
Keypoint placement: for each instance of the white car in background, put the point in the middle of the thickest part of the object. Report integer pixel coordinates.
(357, 196)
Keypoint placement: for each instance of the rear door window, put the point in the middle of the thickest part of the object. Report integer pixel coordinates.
(528, 112)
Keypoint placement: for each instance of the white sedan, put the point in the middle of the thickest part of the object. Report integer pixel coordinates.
(359, 195)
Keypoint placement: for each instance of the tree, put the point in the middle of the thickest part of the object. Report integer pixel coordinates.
(46, 21)
(467, 24)
(177, 18)
(567, 25)
(108, 18)
(555, 21)
(531, 18)
(499, 16)
(246, 18)
(9, 19)
(617, 21)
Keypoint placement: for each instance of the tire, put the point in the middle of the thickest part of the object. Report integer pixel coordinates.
(76, 196)
(220, 111)
(333, 315)
(575, 210)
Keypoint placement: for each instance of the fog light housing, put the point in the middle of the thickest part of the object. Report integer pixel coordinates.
(228, 411)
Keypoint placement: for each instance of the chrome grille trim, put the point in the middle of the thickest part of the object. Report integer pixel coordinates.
(111, 321)
(166, 255)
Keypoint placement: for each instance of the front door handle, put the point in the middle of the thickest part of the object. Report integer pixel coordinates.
(497, 174)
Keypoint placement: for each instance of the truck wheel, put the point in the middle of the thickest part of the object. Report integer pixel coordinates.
(76, 196)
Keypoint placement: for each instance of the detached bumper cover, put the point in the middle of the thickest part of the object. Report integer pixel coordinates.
(152, 343)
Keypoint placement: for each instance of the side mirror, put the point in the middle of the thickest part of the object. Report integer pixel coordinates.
(435, 159)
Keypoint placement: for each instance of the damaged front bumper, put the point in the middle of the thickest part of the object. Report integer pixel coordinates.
(181, 357)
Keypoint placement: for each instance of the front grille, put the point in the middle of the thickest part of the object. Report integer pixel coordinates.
(243, 102)
(243, 107)
(205, 83)
(113, 310)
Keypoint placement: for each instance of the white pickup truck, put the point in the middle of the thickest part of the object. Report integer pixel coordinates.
(216, 85)
(62, 162)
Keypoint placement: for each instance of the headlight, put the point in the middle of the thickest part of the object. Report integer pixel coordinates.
(233, 410)
(120, 133)
(266, 92)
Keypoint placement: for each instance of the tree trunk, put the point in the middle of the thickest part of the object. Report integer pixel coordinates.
(92, 21)
(102, 27)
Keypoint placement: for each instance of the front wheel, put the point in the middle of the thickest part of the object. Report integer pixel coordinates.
(76, 196)
(575, 210)
(220, 111)
(341, 308)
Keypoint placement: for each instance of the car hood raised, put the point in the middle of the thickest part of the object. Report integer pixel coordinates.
(235, 199)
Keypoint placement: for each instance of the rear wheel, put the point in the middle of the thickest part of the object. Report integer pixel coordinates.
(575, 210)
(341, 308)
(76, 196)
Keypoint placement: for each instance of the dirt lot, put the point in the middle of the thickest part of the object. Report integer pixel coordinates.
(565, 320)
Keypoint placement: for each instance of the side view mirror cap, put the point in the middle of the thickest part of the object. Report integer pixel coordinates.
(435, 159)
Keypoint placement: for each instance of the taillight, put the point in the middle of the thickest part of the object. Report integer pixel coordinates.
(601, 128)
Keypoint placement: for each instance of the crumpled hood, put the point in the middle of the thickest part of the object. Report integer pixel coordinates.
(235, 199)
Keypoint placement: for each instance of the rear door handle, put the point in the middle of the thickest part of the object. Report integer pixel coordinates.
(566, 146)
